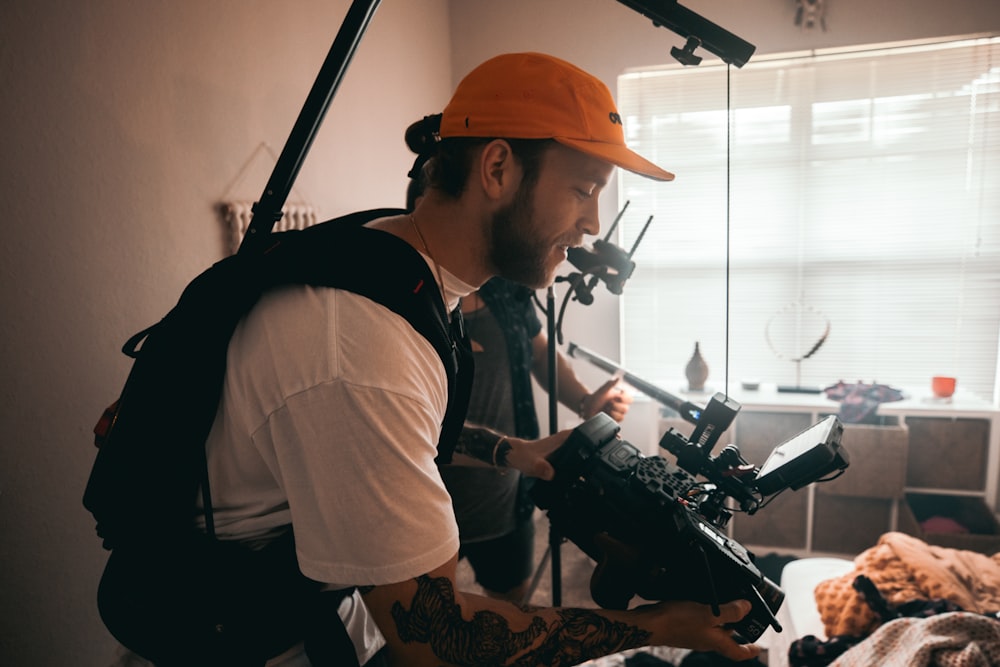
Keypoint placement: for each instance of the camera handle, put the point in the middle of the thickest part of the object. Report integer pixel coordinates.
(758, 602)
(714, 601)
(614, 580)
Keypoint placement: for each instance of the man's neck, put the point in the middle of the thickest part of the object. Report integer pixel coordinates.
(455, 236)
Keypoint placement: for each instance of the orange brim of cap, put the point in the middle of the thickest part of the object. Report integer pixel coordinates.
(619, 156)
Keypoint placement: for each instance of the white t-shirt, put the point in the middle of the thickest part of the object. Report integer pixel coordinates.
(330, 418)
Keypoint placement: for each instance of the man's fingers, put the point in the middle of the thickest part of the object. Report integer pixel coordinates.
(730, 612)
(544, 470)
(530, 456)
(741, 652)
(606, 388)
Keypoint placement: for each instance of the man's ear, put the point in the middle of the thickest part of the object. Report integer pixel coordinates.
(499, 170)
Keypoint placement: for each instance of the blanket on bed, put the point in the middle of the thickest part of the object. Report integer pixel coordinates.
(905, 568)
(956, 639)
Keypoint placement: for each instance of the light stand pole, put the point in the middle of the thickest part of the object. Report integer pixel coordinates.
(555, 539)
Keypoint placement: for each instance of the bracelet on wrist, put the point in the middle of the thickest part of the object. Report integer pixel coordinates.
(500, 452)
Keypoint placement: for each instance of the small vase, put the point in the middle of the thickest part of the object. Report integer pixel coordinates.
(696, 371)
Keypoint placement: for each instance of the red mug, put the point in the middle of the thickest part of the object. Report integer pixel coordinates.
(943, 387)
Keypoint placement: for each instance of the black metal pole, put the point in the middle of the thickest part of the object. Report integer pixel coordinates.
(555, 540)
(267, 210)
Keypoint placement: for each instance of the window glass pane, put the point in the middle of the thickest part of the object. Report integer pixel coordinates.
(858, 192)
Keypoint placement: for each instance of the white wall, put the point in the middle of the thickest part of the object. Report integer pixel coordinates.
(606, 37)
(123, 123)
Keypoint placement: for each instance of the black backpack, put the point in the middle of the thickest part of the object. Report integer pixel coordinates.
(170, 592)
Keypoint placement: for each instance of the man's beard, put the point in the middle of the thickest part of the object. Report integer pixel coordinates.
(518, 251)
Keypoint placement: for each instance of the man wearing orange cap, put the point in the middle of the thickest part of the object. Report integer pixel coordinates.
(333, 404)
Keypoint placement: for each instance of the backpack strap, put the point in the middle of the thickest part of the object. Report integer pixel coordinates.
(380, 266)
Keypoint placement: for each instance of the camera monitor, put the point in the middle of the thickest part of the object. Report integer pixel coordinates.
(804, 458)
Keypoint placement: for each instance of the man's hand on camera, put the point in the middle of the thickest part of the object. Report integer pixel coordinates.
(529, 456)
(693, 625)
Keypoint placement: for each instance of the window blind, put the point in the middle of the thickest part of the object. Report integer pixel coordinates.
(855, 191)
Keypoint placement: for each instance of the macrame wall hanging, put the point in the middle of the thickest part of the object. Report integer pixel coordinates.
(236, 213)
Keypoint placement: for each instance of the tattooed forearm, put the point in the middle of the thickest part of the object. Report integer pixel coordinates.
(477, 442)
(434, 618)
(581, 635)
(487, 639)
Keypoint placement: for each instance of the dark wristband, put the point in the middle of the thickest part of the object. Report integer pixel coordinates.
(500, 452)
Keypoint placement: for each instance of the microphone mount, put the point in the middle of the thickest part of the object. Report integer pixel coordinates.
(602, 261)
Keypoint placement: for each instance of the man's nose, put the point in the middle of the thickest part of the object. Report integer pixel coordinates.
(590, 222)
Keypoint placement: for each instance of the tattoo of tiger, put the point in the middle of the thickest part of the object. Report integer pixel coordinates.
(487, 639)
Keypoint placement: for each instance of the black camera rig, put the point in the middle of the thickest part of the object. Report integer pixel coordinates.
(656, 531)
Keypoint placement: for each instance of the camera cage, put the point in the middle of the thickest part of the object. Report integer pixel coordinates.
(656, 527)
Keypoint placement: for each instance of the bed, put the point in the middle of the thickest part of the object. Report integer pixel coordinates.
(799, 615)
(945, 602)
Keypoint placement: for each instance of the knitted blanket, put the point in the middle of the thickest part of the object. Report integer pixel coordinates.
(957, 639)
(904, 568)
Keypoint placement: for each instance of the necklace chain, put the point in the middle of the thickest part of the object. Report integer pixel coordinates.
(437, 267)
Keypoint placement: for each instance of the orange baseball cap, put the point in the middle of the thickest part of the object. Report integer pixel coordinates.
(537, 96)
